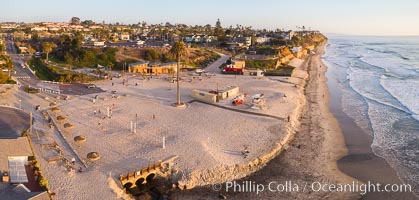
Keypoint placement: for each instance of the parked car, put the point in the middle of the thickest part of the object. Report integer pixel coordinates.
(91, 86)
(199, 71)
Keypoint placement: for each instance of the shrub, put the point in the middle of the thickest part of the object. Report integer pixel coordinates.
(261, 64)
(31, 90)
(43, 182)
(11, 81)
(24, 133)
(36, 165)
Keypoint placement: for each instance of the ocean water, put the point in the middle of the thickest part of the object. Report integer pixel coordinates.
(379, 80)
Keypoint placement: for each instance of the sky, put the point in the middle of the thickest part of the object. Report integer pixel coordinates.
(352, 17)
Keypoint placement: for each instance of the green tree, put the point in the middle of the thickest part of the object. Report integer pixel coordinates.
(152, 55)
(178, 51)
(47, 48)
(218, 29)
(89, 58)
(35, 38)
(68, 77)
(68, 58)
(3, 77)
(31, 50)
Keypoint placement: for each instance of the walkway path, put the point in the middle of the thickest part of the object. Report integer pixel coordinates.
(67, 150)
(237, 110)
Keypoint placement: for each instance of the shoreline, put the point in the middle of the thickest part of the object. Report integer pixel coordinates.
(310, 156)
(360, 161)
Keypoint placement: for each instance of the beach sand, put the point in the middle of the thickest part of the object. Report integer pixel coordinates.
(324, 150)
(311, 157)
(208, 140)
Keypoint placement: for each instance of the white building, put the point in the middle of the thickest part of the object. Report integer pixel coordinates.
(262, 40)
(289, 35)
(124, 36)
(296, 49)
(39, 28)
(98, 43)
(140, 42)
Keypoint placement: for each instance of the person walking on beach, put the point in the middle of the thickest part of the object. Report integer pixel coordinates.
(288, 118)
(73, 161)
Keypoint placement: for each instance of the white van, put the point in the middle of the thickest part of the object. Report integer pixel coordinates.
(199, 71)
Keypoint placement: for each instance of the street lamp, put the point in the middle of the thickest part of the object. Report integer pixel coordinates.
(20, 104)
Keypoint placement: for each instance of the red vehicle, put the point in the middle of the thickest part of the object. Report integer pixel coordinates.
(230, 70)
(238, 100)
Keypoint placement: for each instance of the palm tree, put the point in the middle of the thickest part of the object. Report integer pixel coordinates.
(178, 51)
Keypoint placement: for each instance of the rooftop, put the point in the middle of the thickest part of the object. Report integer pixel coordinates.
(168, 63)
(20, 192)
(138, 63)
(13, 147)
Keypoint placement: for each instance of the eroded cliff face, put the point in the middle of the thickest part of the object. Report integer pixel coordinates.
(285, 55)
(308, 44)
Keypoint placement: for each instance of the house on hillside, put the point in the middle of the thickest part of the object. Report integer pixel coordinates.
(124, 36)
(289, 35)
(98, 43)
(262, 40)
(243, 41)
(295, 50)
(299, 52)
(198, 38)
(193, 38)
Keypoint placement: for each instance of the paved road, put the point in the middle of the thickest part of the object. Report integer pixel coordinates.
(25, 76)
(214, 67)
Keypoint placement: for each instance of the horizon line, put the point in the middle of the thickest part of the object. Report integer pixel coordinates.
(370, 35)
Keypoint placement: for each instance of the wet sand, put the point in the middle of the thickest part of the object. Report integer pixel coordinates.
(361, 163)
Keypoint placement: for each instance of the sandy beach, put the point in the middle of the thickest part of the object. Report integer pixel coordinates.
(207, 140)
(324, 150)
(312, 154)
